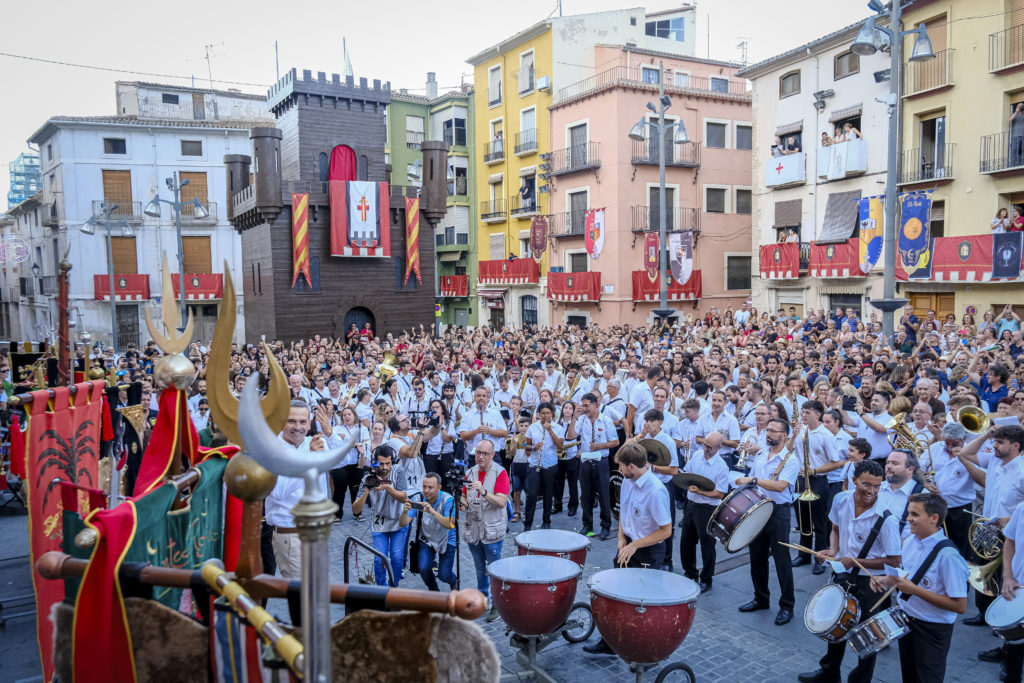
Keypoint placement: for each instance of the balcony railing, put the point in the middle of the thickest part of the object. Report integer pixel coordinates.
(51, 215)
(567, 223)
(492, 211)
(931, 74)
(523, 207)
(127, 210)
(842, 159)
(647, 218)
(632, 75)
(805, 256)
(1001, 152)
(526, 141)
(686, 155)
(576, 158)
(927, 164)
(494, 151)
(1006, 49)
(789, 169)
(413, 139)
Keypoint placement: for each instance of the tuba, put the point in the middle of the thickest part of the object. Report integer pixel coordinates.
(973, 419)
(903, 438)
(387, 369)
(982, 577)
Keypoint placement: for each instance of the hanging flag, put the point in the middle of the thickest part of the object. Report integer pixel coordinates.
(1006, 252)
(539, 236)
(680, 249)
(872, 227)
(359, 219)
(925, 264)
(412, 239)
(914, 237)
(300, 237)
(594, 236)
(652, 261)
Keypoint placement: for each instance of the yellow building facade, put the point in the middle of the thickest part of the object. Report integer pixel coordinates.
(956, 134)
(513, 91)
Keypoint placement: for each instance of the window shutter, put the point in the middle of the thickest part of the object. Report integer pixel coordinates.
(198, 258)
(196, 189)
(125, 258)
(117, 188)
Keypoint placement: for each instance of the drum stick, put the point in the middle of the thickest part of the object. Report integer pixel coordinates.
(801, 548)
(884, 596)
(862, 567)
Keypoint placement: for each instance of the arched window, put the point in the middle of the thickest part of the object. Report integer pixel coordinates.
(362, 169)
(789, 84)
(529, 309)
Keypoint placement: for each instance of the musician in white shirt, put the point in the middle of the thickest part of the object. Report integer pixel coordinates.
(952, 482)
(814, 448)
(481, 422)
(702, 504)
(722, 422)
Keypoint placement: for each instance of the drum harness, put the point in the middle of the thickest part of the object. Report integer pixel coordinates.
(849, 579)
(926, 565)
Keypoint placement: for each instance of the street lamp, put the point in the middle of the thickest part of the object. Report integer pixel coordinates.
(198, 210)
(869, 40)
(661, 126)
(102, 219)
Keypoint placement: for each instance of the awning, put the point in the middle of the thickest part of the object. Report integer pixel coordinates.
(789, 128)
(527, 171)
(449, 256)
(494, 298)
(495, 178)
(841, 214)
(788, 214)
(845, 113)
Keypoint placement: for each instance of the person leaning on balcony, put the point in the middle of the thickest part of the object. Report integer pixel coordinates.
(839, 137)
(777, 148)
(1001, 223)
(1017, 135)
(792, 147)
(1016, 220)
(851, 133)
(825, 140)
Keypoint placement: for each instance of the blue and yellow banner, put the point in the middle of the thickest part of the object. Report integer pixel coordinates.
(914, 236)
(872, 226)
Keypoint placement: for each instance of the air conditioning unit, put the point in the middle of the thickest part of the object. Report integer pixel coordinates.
(544, 83)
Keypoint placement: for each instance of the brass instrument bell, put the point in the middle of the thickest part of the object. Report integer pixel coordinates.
(973, 419)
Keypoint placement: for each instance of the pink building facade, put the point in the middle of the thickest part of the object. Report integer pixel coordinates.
(595, 165)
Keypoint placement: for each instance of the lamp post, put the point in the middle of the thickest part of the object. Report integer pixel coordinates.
(199, 211)
(869, 40)
(103, 220)
(661, 126)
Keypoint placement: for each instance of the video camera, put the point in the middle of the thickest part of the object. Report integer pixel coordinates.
(371, 476)
(455, 477)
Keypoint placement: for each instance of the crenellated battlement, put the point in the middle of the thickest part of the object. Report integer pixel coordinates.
(290, 88)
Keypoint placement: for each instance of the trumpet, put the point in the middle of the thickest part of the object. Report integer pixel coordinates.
(973, 419)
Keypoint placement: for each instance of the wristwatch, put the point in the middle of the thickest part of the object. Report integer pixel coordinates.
(754, 481)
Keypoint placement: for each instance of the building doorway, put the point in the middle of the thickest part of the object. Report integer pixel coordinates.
(529, 309)
(942, 303)
(359, 316)
(497, 318)
(127, 325)
(205, 316)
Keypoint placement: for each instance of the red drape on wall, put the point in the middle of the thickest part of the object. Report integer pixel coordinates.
(343, 164)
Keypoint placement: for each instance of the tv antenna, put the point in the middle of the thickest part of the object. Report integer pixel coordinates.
(209, 52)
(743, 45)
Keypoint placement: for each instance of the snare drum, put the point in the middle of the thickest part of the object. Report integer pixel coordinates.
(533, 593)
(831, 613)
(555, 543)
(880, 630)
(1006, 617)
(740, 517)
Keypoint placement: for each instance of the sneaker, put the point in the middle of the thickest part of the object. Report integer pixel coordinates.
(492, 614)
(360, 517)
(516, 518)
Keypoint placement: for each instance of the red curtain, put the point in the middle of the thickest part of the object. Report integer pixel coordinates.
(343, 164)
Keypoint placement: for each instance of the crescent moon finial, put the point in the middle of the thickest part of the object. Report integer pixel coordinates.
(171, 343)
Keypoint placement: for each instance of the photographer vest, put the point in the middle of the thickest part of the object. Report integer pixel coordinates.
(430, 530)
(387, 511)
(485, 523)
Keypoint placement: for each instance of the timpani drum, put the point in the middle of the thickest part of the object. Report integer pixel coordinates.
(533, 593)
(643, 614)
(831, 613)
(740, 517)
(1006, 617)
(875, 633)
(554, 543)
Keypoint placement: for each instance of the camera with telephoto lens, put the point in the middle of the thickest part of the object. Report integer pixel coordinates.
(371, 477)
(455, 477)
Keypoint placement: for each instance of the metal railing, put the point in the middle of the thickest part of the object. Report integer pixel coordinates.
(188, 212)
(930, 163)
(494, 151)
(526, 141)
(928, 75)
(805, 255)
(576, 158)
(686, 154)
(645, 218)
(413, 139)
(129, 210)
(567, 223)
(523, 207)
(1000, 152)
(635, 74)
(1006, 48)
(493, 210)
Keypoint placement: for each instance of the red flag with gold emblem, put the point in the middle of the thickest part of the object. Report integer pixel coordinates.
(412, 239)
(652, 262)
(300, 237)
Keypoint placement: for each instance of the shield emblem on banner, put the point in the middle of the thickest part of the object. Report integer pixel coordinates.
(964, 251)
(504, 266)
(680, 249)
(539, 235)
(777, 255)
(651, 260)
(594, 236)
(830, 252)
(568, 282)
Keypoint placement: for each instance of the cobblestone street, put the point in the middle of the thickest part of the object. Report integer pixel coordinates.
(723, 644)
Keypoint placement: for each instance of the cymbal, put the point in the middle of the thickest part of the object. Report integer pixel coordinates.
(684, 479)
(657, 452)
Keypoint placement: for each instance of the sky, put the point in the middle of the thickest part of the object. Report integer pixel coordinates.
(393, 40)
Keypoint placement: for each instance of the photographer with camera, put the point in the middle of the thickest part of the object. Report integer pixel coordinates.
(435, 532)
(440, 448)
(485, 499)
(384, 489)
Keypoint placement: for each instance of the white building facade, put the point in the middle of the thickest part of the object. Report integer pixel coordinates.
(812, 196)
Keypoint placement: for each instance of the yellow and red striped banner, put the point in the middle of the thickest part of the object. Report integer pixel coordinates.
(412, 239)
(300, 237)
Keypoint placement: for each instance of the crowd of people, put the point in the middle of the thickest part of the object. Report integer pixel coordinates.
(564, 419)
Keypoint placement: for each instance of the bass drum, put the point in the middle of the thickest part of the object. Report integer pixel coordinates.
(615, 494)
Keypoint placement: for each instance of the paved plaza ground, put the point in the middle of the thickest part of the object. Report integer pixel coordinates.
(723, 644)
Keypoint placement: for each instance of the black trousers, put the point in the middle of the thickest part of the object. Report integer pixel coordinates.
(923, 651)
(813, 516)
(1014, 662)
(860, 588)
(651, 557)
(344, 479)
(671, 540)
(568, 469)
(439, 463)
(695, 529)
(539, 482)
(834, 487)
(766, 545)
(594, 484)
(267, 548)
(958, 523)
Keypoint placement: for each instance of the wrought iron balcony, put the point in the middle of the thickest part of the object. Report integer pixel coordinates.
(576, 158)
(494, 151)
(647, 218)
(126, 210)
(686, 155)
(567, 224)
(1001, 152)
(1006, 49)
(526, 142)
(523, 207)
(927, 164)
(492, 211)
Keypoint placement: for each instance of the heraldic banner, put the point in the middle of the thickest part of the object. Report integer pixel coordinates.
(360, 224)
(412, 239)
(62, 442)
(914, 237)
(300, 237)
(871, 216)
(594, 235)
